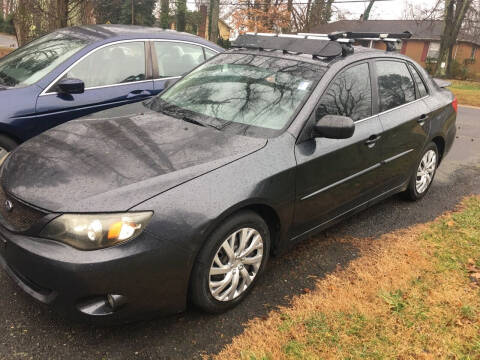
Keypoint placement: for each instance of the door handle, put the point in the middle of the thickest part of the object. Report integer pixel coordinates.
(137, 93)
(372, 140)
(421, 120)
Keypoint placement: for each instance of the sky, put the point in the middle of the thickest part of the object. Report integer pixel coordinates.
(382, 10)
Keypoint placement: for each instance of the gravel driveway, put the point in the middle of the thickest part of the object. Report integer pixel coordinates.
(32, 331)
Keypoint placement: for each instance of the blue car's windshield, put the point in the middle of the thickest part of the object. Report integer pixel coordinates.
(243, 90)
(33, 61)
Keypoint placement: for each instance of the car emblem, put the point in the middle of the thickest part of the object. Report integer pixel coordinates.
(8, 205)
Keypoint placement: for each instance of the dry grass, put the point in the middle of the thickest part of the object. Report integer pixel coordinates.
(467, 92)
(409, 296)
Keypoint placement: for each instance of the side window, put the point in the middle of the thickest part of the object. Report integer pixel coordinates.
(349, 94)
(395, 85)
(114, 64)
(175, 59)
(209, 53)
(422, 90)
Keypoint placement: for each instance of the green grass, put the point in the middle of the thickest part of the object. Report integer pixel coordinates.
(434, 314)
(467, 92)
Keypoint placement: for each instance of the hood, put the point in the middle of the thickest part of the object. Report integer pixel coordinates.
(113, 164)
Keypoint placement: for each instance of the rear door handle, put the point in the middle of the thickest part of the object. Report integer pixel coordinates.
(421, 120)
(138, 93)
(372, 140)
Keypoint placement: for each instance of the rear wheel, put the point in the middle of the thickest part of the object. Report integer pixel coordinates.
(229, 264)
(425, 172)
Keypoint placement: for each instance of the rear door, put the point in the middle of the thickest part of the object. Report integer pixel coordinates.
(172, 59)
(404, 117)
(333, 176)
(114, 75)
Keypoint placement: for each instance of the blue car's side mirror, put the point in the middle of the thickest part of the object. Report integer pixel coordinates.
(71, 86)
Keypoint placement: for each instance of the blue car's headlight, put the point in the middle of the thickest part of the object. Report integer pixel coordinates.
(96, 231)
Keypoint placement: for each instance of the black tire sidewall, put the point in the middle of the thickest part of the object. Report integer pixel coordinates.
(412, 189)
(199, 284)
(7, 143)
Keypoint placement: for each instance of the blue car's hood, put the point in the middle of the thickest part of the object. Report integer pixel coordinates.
(112, 164)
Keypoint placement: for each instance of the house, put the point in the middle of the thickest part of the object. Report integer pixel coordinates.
(8, 43)
(423, 46)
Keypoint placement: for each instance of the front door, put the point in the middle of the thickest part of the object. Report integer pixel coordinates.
(114, 75)
(334, 176)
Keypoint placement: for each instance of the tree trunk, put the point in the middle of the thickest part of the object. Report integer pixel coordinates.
(164, 10)
(213, 23)
(181, 13)
(62, 13)
(366, 14)
(455, 11)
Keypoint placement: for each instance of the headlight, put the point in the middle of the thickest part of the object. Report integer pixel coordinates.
(96, 231)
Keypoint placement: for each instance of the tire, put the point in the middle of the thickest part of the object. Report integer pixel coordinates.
(6, 145)
(205, 289)
(416, 190)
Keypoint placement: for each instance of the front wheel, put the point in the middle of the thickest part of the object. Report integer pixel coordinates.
(425, 172)
(229, 264)
(6, 145)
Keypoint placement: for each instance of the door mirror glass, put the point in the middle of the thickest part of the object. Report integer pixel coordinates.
(71, 86)
(334, 127)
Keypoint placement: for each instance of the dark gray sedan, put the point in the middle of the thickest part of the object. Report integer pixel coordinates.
(122, 215)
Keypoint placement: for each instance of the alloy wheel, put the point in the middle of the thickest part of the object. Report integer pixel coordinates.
(235, 264)
(425, 171)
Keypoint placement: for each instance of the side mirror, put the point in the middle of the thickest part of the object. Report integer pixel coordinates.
(71, 86)
(334, 127)
(169, 83)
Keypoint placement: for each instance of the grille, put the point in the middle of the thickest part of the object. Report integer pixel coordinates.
(21, 217)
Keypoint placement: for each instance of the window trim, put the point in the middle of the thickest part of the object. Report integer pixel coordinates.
(145, 41)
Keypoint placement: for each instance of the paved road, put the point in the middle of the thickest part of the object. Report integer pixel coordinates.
(30, 330)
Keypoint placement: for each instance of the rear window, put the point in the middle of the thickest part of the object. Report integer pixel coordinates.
(395, 85)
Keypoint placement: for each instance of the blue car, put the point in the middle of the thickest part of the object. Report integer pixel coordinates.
(76, 71)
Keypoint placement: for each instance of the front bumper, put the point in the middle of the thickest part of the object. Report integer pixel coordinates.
(147, 272)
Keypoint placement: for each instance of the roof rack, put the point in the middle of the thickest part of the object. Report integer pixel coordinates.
(318, 45)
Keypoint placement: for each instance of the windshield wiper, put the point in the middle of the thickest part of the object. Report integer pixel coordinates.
(193, 121)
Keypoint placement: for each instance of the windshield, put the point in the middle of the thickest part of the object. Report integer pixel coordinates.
(243, 89)
(33, 61)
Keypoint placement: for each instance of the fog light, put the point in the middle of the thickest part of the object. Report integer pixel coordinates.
(116, 301)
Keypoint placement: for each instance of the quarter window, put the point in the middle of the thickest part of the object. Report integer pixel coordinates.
(111, 65)
(175, 59)
(350, 94)
(395, 85)
(422, 90)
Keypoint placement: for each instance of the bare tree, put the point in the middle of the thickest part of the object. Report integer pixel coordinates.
(366, 13)
(213, 20)
(454, 15)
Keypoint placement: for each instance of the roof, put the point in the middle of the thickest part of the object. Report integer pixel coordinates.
(420, 29)
(96, 33)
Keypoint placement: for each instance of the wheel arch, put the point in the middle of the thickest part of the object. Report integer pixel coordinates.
(440, 142)
(261, 207)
